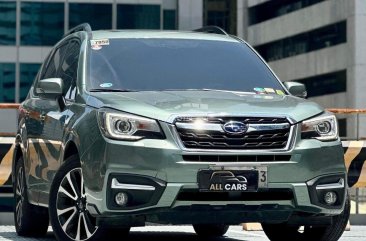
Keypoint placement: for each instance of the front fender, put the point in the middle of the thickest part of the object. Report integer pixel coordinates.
(19, 150)
(71, 145)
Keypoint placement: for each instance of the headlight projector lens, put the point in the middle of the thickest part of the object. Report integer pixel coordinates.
(324, 127)
(123, 126)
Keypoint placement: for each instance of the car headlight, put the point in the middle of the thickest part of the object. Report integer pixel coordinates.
(123, 126)
(323, 128)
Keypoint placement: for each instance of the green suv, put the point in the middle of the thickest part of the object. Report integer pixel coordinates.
(121, 128)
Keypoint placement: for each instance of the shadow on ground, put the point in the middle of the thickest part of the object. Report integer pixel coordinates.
(134, 236)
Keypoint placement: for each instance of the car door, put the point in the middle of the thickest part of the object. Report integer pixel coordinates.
(56, 115)
(32, 128)
(42, 153)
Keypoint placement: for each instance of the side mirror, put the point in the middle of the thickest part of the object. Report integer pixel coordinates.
(295, 88)
(49, 88)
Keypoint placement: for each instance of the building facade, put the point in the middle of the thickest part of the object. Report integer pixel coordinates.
(29, 28)
(320, 43)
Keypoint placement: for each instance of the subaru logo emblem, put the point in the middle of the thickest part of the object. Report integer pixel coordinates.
(235, 127)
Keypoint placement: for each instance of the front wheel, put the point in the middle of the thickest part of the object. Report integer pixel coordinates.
(69, 217)
(210, 230)
(279, 232)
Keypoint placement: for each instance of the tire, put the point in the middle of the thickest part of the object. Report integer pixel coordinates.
(333, 232)
(210, 230)
(30, 220)
(69, 217)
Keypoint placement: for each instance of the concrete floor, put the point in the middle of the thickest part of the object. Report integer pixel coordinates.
(180, 233)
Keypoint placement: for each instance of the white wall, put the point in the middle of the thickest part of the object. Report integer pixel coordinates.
(190, 14)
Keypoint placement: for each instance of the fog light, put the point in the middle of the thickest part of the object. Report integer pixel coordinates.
(330, 198)
(121, 198)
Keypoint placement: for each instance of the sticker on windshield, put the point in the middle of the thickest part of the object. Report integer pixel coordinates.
(269, 90)
(280, 92)
(106, 85)
(96, 44)
(99, 42)
(259, 90)
(96, 47)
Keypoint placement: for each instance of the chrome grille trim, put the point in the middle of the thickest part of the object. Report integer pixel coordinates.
(254, 127)
(218, 127)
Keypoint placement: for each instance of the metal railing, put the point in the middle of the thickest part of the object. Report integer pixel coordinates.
(8, 127)
(346, 113)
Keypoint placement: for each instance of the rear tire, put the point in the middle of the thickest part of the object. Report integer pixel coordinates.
(210, 230)
(279, 232)
(30, 220)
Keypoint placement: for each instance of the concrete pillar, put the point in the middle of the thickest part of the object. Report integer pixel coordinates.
(17, 43)
(359, 39)
(356, 76)
(190, 14)
(242, 18)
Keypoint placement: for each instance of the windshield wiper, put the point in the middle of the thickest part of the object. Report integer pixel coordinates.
(111, 90)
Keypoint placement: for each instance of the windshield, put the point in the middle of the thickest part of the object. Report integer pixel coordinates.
(177, 64)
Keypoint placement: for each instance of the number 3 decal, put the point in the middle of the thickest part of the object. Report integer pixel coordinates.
(263, 176)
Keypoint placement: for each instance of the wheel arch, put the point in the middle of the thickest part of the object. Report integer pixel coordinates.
(71, 149)
(17, 153)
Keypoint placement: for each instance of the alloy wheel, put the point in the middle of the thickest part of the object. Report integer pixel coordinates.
(74, 218)
(19, 196)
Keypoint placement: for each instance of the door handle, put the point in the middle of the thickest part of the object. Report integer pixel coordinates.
(42, 117)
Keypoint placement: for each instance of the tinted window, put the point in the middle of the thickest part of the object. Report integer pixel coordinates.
(68, 71)
(272, 9)
(54, 63)
(161, 64)
(138, 16)
(63, 64)
(99, 16)
(7, 23)
(342, 127)
(306, 42)
(27, 74)
(41, 23)
(326, 84)
(222, 13)
(170, 19)
(7, 83)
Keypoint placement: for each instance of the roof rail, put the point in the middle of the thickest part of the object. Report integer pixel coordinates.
(211, 29)
(81, 27)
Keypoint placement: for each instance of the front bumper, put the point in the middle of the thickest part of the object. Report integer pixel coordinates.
(290, 193)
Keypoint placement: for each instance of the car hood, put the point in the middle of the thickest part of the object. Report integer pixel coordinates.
(165, 105)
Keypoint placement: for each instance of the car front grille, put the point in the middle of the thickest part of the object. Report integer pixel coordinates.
(208, 133)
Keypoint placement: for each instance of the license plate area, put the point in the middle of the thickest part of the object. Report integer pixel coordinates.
(231, 179)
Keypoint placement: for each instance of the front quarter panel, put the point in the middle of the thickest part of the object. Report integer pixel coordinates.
(87, 133)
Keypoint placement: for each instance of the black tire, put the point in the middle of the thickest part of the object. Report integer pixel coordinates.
(69, 217)
(210, 230)
(333, 232)
(30, 220)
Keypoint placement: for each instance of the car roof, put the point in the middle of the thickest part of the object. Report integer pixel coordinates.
(161, 34)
